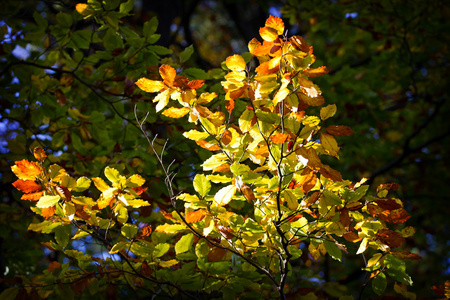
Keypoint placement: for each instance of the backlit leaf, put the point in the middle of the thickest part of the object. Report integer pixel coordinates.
(47, 201)
(39, 154)
(328, 111)
(236, 63)
(184, 244)
(195, 216)
(112, 174)
(333, 250)
(339, 130)
(83, 183)
(224, 195)
(291, 199)
(150, 86)
(26, 186)
(280, 138)
(26, 170)
(329, 144)
(160, 250)
(129, 231)
(201, 184)
(176, 113)
(379, 284)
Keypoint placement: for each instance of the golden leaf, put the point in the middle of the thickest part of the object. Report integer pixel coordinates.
(329, 144)
(150, 86)
(176, 113)
(236, 63)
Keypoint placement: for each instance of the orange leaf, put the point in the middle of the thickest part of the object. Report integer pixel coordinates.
(351, 237)
(248, 193)
(139, 190)
(230, 105)
(222, 168)
(268, 34)
(195, 84)
(275, 23)
(315, 72)
(280, 138)
(168, 74)
(195, 216)
(265, 68)
(388, 186)
(339, 130)
(48, 211)
(176, 113)
(150, 86)
(26, 170)
(26, 186)
(262, 152)
(263, 49)
(211, 147)
(307, 180)
(33, 196)
(253, 44)
(39, 154)
(226, 137)
(146, 231)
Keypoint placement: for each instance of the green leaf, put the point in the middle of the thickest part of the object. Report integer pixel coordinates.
(41, 22)
(160, 250)
(150, 27)
(202, 185)
(186, 54)
(83, 183)
(112, 40)
(379, 284)
(333, 250)
(332, 197)
(238, 169)
(184, 244)
(62, 235)
(160, 50)
(195, 74)
(47, 201)
(10, 293)
(126, 7)
(129, 231)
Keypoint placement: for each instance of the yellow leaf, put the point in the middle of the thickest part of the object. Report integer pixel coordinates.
(100, 184)
(280, 96)
(329, 144)
(327, 111)
(206, 97)
(176, 113)
(196, 135)
(236, 63)
(168, 263)
(275, 23)
(291, 199)
(224, 195)
(162, 99)
(150, 86)
(268, 34)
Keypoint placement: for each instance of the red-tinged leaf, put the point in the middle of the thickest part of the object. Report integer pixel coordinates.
(391, 238)
(299, 43)
(238, 93)
(139, 190)
(39, 154)
(167, 215)
(226, 232)
(438, 290)
(168, 74)
(312, 199)
(211, 147)
(354, 206)
(295, 218)
(26, 186)
(351, 237)
(195, 84)
(447, 289)
(229, 105)
(292, 184)
(395, 216)
(308, 180)
(145, 232)
(176, 113)
(388, 204)
(339, 130)
(216, 254)
(330, 173)
(32, 196)
(53, 266)
(25, 169)
(280, 138)
(48, 245)
(195, 216)
(315, 72)
(146, 270)
(388, 186)
(275, 23)
(222, 168)
(201, 111)
(84, 215)
(48, 211)
(406, 255)
(290, 145)
(226, 137)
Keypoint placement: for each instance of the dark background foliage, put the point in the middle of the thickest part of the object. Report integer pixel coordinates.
(388, 62)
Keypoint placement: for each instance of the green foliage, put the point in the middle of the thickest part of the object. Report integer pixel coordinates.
(252, 217)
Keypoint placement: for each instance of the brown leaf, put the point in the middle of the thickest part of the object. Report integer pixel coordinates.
(226, 137)
(344, 217)
(391, 238)
(60, 97)
(53, 266)
(226, 232)
(351, 237)
(330, 173)
(211, 147)
(339, 130)
(248, 193)
(66, 80)
(307, 180)
(388, 204)
(406, 255)
(216, 254)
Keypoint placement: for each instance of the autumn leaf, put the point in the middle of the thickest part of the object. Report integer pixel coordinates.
(150, 86)
(280, 138)
(299, 43)
(26, 186)
(307, 180)
(195, 216)
(206, 145)
(329, 144)
(327, 111)
(224, 195)
(315, 72)
(235, 63)
(47, 212)
(26, 170)
(39, 154)
(226, 232)
(176, 113)
(275, 23)
(339, 130)
(391, 238)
